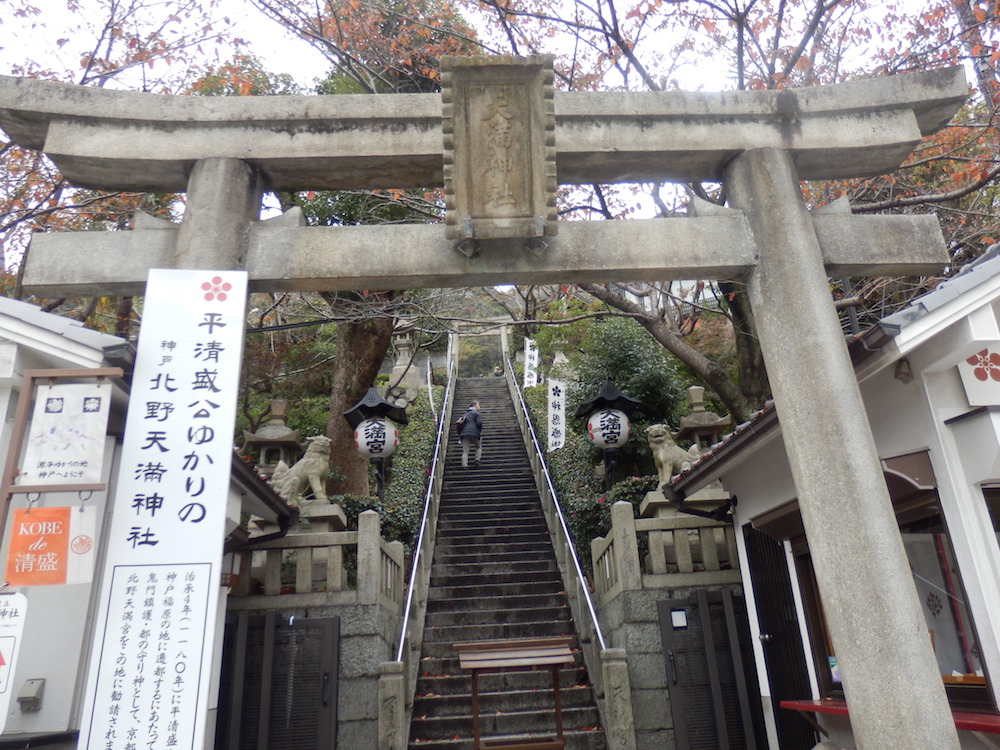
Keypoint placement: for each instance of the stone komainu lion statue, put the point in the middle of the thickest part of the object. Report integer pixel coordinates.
(309, 472)
(669, 458)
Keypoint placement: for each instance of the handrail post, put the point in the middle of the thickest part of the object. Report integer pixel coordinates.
(369, 530)
(619, 719)
(626, 546)
(392, 731)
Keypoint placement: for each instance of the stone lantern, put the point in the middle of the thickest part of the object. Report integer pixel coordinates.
(701, 427)
(704, 429)
(276, 441)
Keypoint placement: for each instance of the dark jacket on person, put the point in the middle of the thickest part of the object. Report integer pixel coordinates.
(473, 425)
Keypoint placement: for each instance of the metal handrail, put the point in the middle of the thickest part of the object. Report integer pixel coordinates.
(428, 497)
(558, 510)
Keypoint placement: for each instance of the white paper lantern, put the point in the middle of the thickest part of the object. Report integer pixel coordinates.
(376, 438)
(608, 428)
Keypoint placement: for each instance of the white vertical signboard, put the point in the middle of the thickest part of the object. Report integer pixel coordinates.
(557, 414)
(530, 363)
(151, 659)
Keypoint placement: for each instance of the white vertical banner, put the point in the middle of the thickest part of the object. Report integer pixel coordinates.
(66, 438)
(530, 363)
(13, 611)
(557, 414)
(151, 659)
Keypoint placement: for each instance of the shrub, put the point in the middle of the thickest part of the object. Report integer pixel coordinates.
(584, 503)
(406, 477)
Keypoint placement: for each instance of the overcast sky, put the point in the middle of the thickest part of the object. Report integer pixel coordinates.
(38, 39)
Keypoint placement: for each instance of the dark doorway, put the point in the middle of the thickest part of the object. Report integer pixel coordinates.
(278, 687)
(781, 638)
(714, 699)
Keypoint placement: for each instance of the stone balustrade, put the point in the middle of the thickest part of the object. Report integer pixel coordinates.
(307, 568)
(683, 551)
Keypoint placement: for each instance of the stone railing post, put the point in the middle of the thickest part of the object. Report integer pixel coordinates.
(369, 531)
(392, 731)
(626, 546)
(620, 729)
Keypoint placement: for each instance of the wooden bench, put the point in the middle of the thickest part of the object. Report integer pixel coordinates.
(512, 655)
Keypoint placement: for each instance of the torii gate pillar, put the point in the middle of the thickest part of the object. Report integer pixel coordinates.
(872, 610)
(223, 198)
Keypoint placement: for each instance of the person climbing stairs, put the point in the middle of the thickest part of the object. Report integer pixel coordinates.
(495, 577)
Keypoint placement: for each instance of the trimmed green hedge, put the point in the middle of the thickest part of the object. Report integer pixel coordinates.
(581, 494)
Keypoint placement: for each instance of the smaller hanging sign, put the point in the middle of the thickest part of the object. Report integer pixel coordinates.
(980, 375)
(66, 439)
(557, 414)
(51, 546)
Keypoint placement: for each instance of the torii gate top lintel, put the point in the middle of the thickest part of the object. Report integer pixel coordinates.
(135, 141)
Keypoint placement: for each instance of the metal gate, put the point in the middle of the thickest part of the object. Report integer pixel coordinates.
(278, 688)
(713, 686)
(780, 637)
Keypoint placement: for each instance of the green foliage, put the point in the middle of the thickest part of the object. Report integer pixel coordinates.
(293, 365)
(244, 75)
(478, 355)
(356, 207)
(585, 505)
(621, 349)
(406, 479)
(407, 474)
(568, 338)
(354, 506)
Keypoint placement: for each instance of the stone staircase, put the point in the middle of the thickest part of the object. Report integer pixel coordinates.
(495, 576)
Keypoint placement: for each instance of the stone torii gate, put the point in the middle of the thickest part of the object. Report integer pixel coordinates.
(500, 140)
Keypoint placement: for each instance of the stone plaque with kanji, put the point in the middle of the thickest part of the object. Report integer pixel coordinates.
(499, 147)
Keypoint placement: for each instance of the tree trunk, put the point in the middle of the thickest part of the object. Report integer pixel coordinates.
(750, 359)
(709, 372)
(361, 347)
(123, 316)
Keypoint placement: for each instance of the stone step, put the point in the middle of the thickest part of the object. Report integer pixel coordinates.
(489, 601)
(540, 722)
(446, 636)
(432, 680)
(446, 618)
(512, 522)
(521, 567)
(493, 577)
(490, 513)
(507, 700)
(589, 739)
(498, 589)
(488, 552)
(473, 483)
(492, 535)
